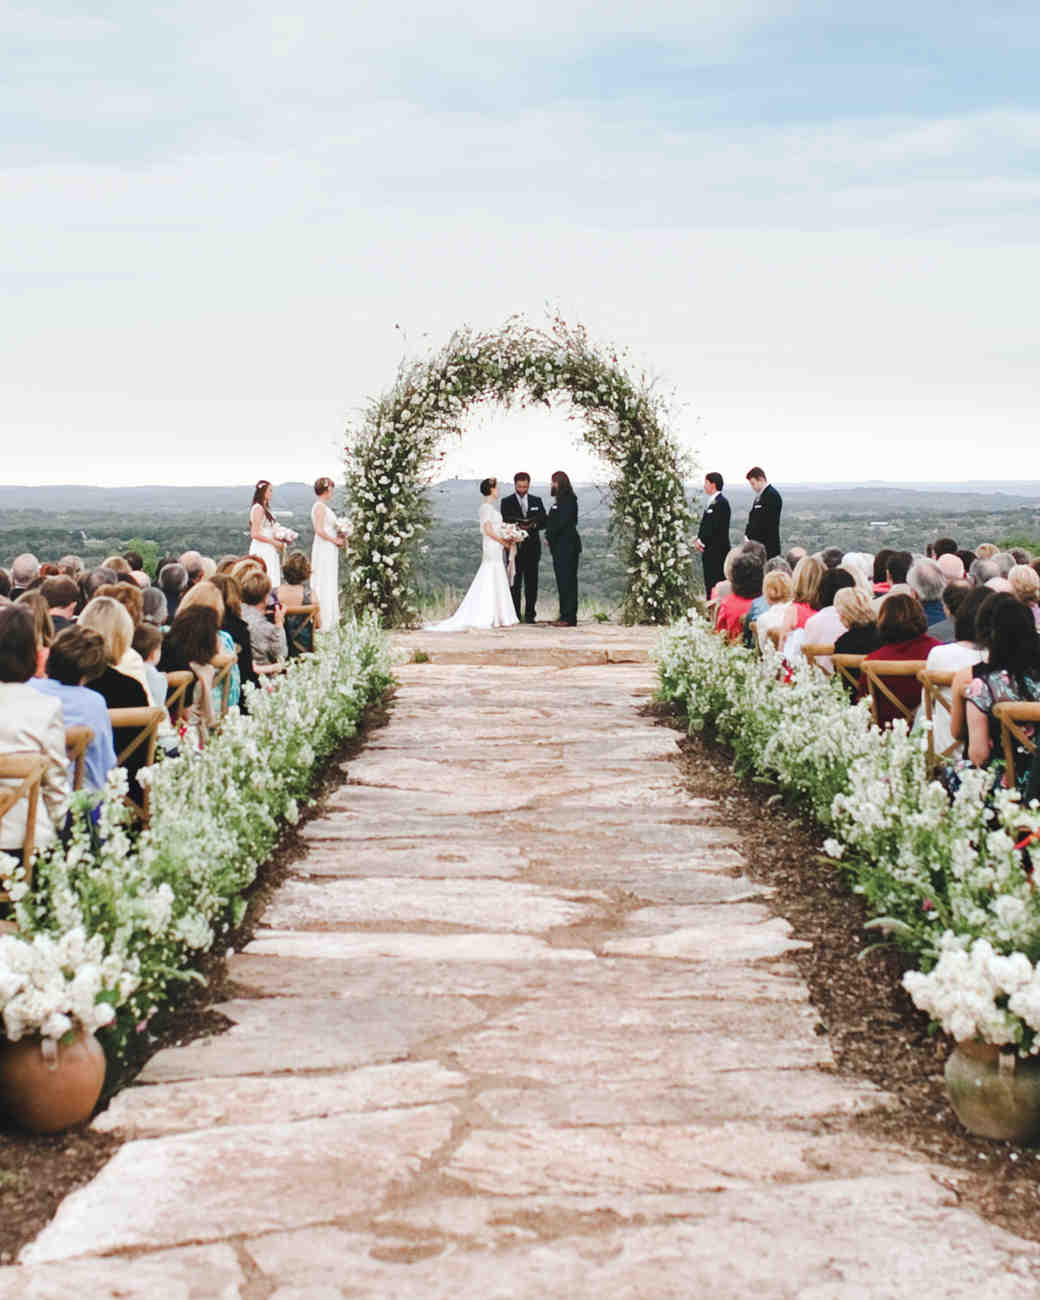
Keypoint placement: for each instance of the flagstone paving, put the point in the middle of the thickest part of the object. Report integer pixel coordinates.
(518, 1025)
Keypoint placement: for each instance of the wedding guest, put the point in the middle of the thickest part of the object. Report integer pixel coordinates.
(116, 563)
(794, 554)
(986, 550)
(90, 582)
(295, 589)
(826, 625)
(881, 582)
(5, 585)
(62, 597)
(967, 558)
(24, 569)
(983, 571)
(808, 574)
(951, 565)
(153, 606)
(135, 560)
(77, 658)
(191, 645)
(777, 589)
(830, 557)
(130, 597)
(861, 566)
(1005, 562)
(42, 624)
(30, 722)
(191, 563)
(147, 643)
(267, 639)
(903, 632)
(1025, 586)
(71, 566)
(962, 652)
(236, 627)
(173, 582)
(927, 582)
(206, 593)
(856, 611)
(760, 604)
(953, 596)
(747, 584)
(943, 546)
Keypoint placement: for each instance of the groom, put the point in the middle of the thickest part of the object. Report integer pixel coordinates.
(529, 514)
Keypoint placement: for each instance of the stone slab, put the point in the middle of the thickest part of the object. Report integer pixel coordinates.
(275, 1035)
(192, 1273)
(159, 1109)
(749, 942)
(415, 857)
(201, 1187)
(496, 948)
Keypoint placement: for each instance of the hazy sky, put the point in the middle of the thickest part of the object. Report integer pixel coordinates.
(818, 225)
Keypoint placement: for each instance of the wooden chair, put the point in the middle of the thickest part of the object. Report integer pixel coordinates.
(812, 650)
(76, 741)
(847, 667)
(307, 614)
(936, 687)
(875, 671)
(1012, 715)
(27, 771)
(177, 684)
(222, 681)
(146, 723)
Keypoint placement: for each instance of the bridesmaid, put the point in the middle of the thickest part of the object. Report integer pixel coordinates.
(329, 540)
(261, 532)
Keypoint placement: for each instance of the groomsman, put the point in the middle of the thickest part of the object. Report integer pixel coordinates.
(713, 534)
(528, 512)
(763, 523)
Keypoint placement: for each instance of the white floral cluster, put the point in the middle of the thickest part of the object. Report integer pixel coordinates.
(51, 985)
(925, 863)
(152, 902)
(392, 456)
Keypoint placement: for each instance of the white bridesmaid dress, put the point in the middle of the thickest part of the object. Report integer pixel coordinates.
(325, 566)
(268, 552)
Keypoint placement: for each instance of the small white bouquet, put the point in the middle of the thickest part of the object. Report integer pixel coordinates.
(514, 535)
(284, 536)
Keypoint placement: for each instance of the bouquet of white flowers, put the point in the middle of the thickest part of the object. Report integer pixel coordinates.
(514, 535)
(285, 536)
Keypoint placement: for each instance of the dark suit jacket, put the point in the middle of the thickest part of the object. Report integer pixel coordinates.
(763, 523)
(714, 529)
(530, 548)
(561, 527)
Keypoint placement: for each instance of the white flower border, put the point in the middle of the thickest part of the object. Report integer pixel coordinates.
(394, 452)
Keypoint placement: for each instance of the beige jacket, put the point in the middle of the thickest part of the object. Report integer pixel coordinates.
(33, 723)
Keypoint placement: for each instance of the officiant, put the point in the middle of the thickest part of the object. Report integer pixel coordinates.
(528, 513)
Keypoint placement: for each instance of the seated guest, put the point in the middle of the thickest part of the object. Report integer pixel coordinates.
(943, 546)
(1020, 555)
(295, 589)
(121, 691)
(856, 611)
(795, 554)
(825, 625)
(235, 625)
(903, 632)
(90, 582)
(227, 563)
(1011, 674)
(78, 657)
(967, 558)
(192, 644)
(1025, 586)
(806, 579)
(70, 566)
(830, 557)
(173, 582)
(191, 562)
(135, 560)
(961, 652)
(130, 599)
(1004, 561)
(267, 639)
(897, 566)
(861, 566)
(953, 594)
(986, 550)
(777, 588)
(746, 581)
(952, 567)
(927, 582)
(24, 569)
(206, 593)
(29, 723)
(881, 582)
(116, 563)
(983, 571)
(43, 625)
(153, 607)
(777, 564)
(62, 597)
(209, 567)
(147, 643)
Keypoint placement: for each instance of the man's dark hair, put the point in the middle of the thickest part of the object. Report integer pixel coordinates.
(881, 563)
(747, 576)
(147, 639)
(831, 557)
(831, 583)
(944, 546)
(714, 477)
(1021, 555)
(97, 578)
(967, 558)
(756, 471)
(756, 549)
(954, 593)
(899, 563)
(966, 615)
(77, 653)
(59, 592)
(519, 475)
(135, 560)
(18, 643)
(5, 583)
(901, 618)
(173, 578)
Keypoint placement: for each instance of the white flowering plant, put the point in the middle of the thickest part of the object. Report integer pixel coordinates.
(393, 453)
(152, 903)
(940, 873)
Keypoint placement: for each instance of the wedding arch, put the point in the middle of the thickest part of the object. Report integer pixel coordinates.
(393, 452)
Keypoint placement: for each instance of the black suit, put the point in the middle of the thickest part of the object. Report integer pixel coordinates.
(763, 523)
(565, 544)
(714, 534)
(529, 551)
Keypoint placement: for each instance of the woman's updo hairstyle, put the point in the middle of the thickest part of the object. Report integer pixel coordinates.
(486, 485)
(322, 485)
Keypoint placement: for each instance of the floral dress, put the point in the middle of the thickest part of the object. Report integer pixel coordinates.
(987, 689)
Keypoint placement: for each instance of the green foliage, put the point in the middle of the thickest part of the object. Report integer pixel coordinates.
(147, 550)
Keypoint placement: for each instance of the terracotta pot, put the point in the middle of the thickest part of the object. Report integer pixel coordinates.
(48, 1087)
(995, 1094)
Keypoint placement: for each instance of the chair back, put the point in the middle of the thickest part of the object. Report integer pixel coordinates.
(936, 685)
(814, 649)
(1012, 715)
(21, 775)
(146, 722)
(222, 681)
(875, 671)
(847, 667)
(76, 741)
(177, 684)
(299, 623)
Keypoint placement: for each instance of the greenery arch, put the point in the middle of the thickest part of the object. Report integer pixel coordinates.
(393, 452)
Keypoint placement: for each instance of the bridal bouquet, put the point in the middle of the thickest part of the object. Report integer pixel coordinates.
(284, 535)
(513, 534)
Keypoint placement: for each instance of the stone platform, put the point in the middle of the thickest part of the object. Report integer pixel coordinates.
(518, 1025)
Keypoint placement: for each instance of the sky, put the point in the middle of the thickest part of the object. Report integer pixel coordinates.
(222, 226)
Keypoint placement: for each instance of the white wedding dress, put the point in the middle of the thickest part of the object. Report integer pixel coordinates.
(489, 602)
(325, 567)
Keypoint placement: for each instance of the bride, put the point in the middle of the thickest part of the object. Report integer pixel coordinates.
(489, 602)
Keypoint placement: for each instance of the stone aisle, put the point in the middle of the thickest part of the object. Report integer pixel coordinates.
(518, 1026)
